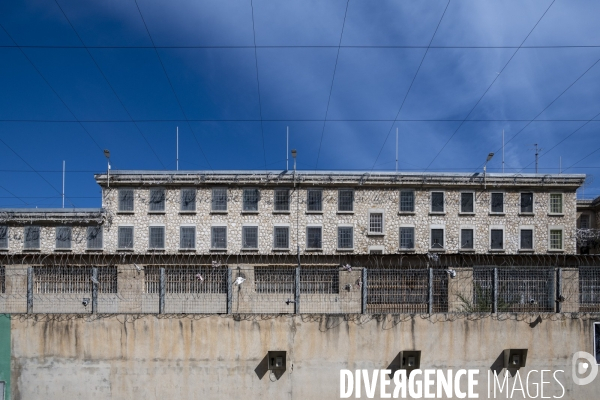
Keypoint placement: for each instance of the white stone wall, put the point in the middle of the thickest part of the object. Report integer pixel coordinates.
(386, 199)
(47, 239)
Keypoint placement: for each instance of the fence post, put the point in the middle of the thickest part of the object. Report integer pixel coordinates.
(559, 289)
(229, 290)
(94, 290)
(495, 291)
(363, 308)
(552, 290)
(297, 292)
(161, 291)
(430, 296)
(29, 290)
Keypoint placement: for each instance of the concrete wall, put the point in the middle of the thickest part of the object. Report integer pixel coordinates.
(222, 357)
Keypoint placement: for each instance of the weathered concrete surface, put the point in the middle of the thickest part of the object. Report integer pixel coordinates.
(220, 357)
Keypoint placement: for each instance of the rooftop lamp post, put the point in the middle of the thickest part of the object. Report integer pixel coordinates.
(489, 157)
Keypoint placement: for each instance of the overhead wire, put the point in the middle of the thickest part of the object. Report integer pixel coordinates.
(262, 132)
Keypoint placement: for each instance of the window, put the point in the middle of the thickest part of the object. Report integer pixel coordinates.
(3, 237)
(250, 200)
(63, 237)
(125, 200)
(407, 201)
(125, 237)
(346, 200)
(345, 237)
(497, 203)
(31, 239)
(188, 199)
(157, 200)
(73, 279)
(250, 237)
(556, 203)
(281, 237)
(375, 222)
(497, 239)
(526, 203)
(584, 221)
(94, 238)
(437, 202)
(466, 202)
(313, 237)
(437, 238)
(218, 239)
(407, 238)
(375, 249)
(314, 200)
(281, 201)
(466, 239)
(187, 237)
(219, 199)
(526, 239)
(157, 237)
(556, 239)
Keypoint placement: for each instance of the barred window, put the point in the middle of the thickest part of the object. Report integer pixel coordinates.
(526, 203)
(281, 201)
(345, 237)
(313, 237)
(187, 237)
(584, 221)
(275, 279)
(314, 280)
(437, 202)
(466, 238)
(375, 222)
(63, 237)
(556, 239)
(466, 202)
(250, 237)
(73, 279)
(3, 237)
(184, 279)
(219, 199)
(556, 203)
(157, 237)
(345, 200)
(281, 237)
(94, 237)
(157, 200)
(250, 199)
(437, 238)
(188, 199)
(125, 237)
(314, 200)
(125, 199)
(589, 289)
(407, 237)
(407, 201)
(218, 237)
(497, 205)
(527, 239)
(497, 239)
(31, 239)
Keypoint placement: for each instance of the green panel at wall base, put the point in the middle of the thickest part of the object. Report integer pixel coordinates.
(5, 347)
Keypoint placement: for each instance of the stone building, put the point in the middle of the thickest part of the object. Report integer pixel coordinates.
(588, 223)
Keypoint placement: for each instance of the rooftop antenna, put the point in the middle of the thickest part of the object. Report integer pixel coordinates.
(287, 146)
(396, 149)
(560, 165)
(537, 152)
(177, 146)
(502, 150)
(63, 191)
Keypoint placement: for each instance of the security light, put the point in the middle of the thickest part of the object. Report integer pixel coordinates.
(489, 157)
(85, 301)
(515, 358)
(276, 360)
(106, 153)
(294, 152)
(410, 360)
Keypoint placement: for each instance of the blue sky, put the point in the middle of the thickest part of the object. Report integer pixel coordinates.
(79, 77)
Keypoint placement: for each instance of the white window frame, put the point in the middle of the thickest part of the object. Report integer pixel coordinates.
(562, 237)
(414, 237)
(289, 192)
(322, 201)
(119, 201)
(212, 211)
(195, 237)
(132, 248)
(338, 202)
(181, 200)
(589, 220)
(376, 211)
(562, 203)
(87, 241)
(289, 237)
(56, 238)
(532, 203)
(414, 192)
(337, 237)
(251, 225)
(443, 228)
(306, 231)
(219, 225)
(503, 202)
(497, 227)
(527, 228)
(258, 195)
(164, 239)
(431, 192)
(460, 229)
(460, 211)
(7, 239)
(164, 210)
(376, 248)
